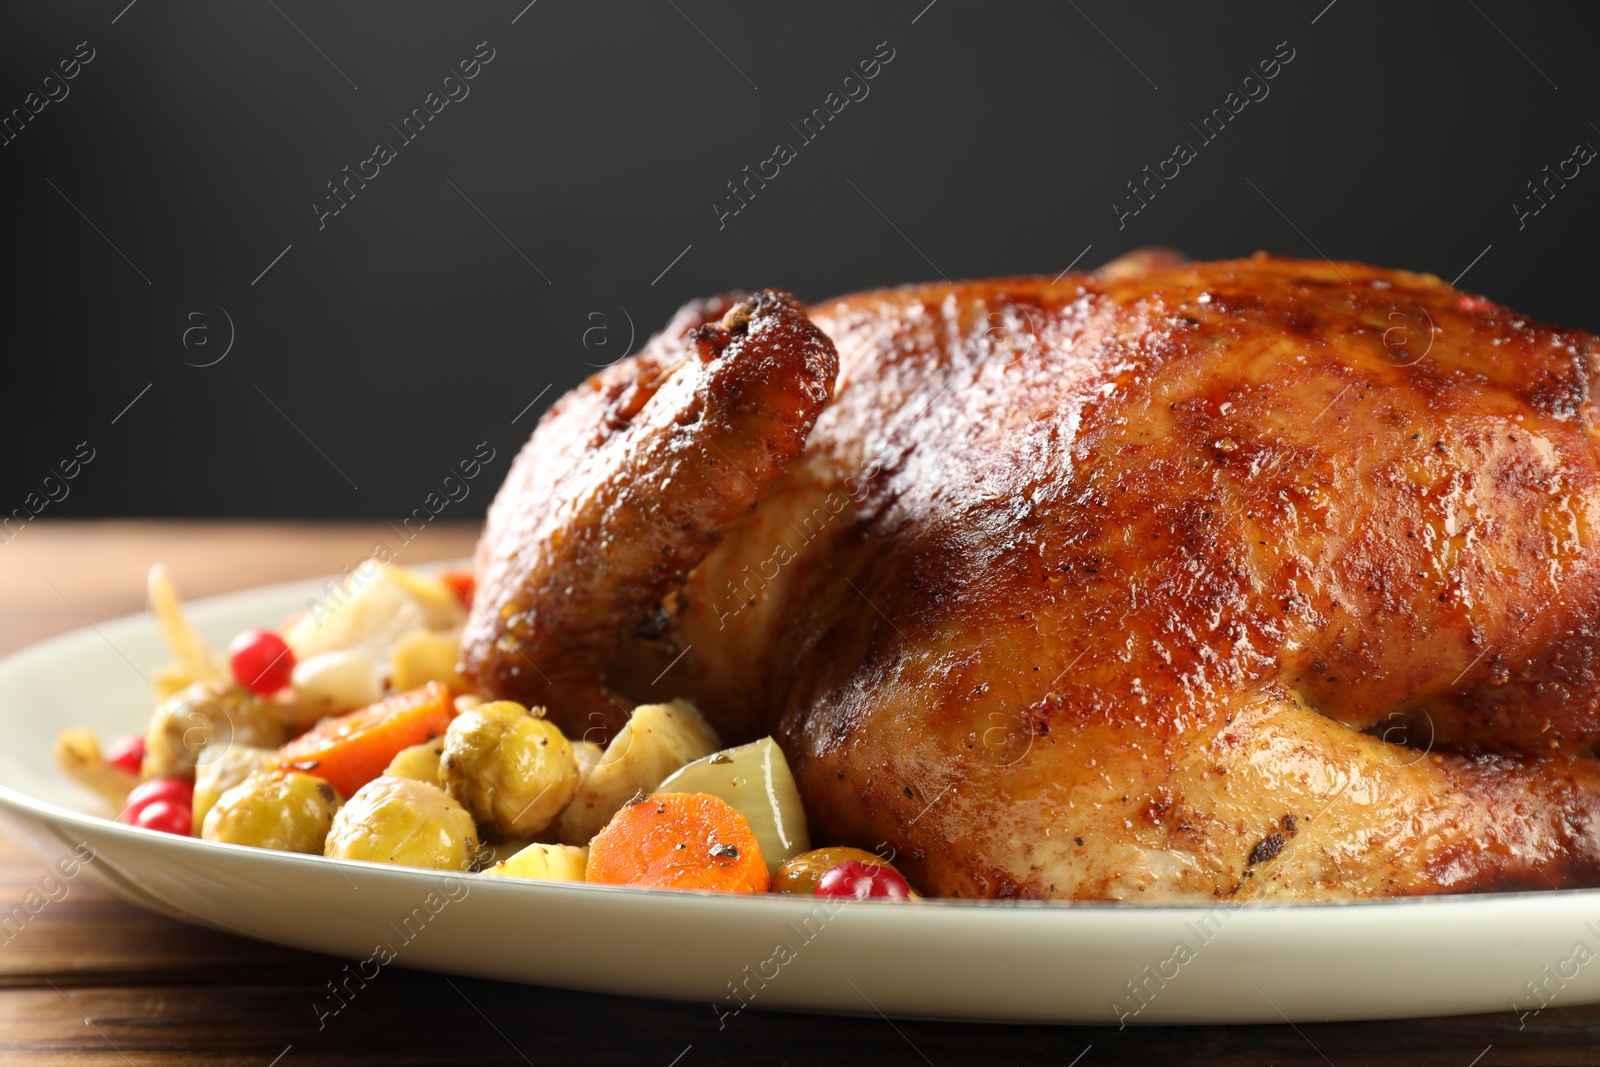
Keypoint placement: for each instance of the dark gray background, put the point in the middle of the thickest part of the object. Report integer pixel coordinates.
(408, 330)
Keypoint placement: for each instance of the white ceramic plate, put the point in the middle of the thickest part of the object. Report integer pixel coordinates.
(1078, 963)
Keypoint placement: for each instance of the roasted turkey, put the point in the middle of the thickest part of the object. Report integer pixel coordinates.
(1170, 582)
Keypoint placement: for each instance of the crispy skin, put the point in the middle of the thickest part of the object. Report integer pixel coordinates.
(625, 485)
(1235, 580)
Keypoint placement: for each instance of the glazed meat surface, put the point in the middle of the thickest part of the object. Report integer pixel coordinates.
(1251, 579)
(628, 482)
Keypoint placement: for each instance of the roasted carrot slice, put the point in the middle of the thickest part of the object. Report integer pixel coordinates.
(350, 750)
(678, 841)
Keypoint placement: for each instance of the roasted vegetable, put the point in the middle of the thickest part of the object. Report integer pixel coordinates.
(588, 754)
(221, 771)
(509, 767)
(544, 863)
(195, 661)
(407, 822)
(755, 779)
(656, 741)
(332, 683)
(370, 609)
(286, 812)
(420, 762)
(207, 716)
(424, 656)
(352, 750)
(678, 841)
(79, 757)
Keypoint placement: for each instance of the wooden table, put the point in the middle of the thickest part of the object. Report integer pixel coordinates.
(94, 981)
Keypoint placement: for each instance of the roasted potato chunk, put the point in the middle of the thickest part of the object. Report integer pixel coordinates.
(656, 741)
(423, 656)
(544, 863)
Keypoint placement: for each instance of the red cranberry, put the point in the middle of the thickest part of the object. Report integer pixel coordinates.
(165, 804)
(863, 881)
(167, 816)
(127, 754)
(261, 662)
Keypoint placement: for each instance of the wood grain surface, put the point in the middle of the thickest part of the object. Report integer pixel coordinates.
(91, 980)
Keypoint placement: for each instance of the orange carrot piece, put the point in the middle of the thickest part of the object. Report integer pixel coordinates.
(350, 750)
(678, 841)
(463, 584)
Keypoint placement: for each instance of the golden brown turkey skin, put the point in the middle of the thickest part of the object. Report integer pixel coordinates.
(628, 482)
(1088, 589)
